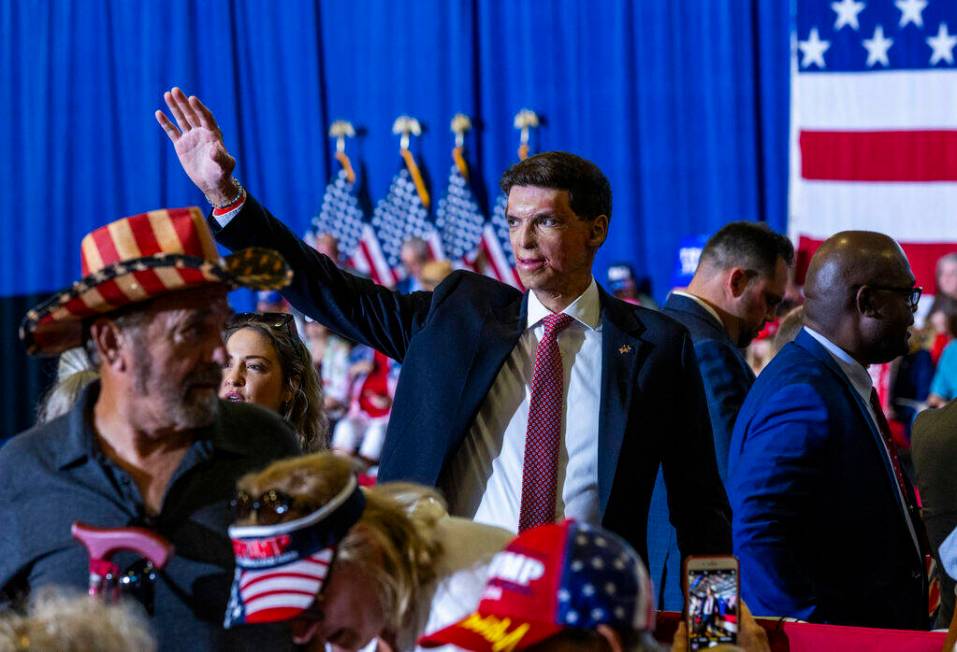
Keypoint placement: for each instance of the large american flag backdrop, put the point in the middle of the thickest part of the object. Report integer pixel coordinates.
(874, 124)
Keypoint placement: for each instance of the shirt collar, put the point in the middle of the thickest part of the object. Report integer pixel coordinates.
(704, 304)
(854, 370)
(79, 441)
(586, 309)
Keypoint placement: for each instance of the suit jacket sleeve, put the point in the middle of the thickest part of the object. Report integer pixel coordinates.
(351, 306)
(697, 503)
(726, 385)
(777, 459)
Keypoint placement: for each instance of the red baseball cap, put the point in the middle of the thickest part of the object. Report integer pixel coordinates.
(553, 577)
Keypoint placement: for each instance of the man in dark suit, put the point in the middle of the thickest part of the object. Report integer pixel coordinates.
(602, 392)
(934, 452)
(825, 523)
(740, 280)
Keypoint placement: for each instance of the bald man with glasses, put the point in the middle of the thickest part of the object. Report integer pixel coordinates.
(825, 523)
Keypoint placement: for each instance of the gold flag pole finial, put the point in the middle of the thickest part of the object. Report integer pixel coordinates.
(406, 126)
(526, 120)
(340, 130)
(460, 124)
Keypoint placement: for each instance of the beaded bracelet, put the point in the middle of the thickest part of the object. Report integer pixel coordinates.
(232, 200)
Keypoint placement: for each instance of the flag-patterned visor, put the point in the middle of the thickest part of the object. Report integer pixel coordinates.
(282, 568)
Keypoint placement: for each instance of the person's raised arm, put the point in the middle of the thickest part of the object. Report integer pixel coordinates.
(199, 146)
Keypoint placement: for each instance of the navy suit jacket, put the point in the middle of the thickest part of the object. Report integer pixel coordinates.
(452, 344)
(726, 374)
(727, 378)
(818, 525)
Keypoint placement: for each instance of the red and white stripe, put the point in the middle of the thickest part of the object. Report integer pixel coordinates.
(276, 593)
(496, 261)
(877, 151)
(368, 259)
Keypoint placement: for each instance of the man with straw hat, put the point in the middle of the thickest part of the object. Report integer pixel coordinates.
(149, 444)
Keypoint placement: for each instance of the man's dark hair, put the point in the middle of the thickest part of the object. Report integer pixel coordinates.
(589, 192)
(751, 245)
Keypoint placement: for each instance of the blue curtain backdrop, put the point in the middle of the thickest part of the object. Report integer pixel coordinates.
(683, 104)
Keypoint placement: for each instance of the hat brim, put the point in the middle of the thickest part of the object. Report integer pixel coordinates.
(278, 594)
(57, 324)
(488, 633)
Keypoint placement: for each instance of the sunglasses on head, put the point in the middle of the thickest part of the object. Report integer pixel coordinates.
(280, 321)
(269, 507)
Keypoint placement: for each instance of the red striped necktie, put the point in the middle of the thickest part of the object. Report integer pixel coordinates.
(543, 436)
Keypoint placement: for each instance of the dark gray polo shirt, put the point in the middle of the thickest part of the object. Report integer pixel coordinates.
(55, 474)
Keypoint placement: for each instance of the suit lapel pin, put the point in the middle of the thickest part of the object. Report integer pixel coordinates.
(624, 348)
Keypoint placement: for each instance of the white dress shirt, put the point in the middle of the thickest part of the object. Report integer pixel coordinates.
(704, 304)
(484, 479)
(862, 383)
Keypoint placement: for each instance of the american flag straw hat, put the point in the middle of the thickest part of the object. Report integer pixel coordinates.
(137, 258)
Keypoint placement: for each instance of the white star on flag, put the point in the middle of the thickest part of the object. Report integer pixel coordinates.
(943, 45)
(877, 47)
(911, 12)
(813, 50)
(847, 11)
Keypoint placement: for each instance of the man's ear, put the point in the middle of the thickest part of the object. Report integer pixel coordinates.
(612, 638)
(108, 341)
(599, 231)
(737, 281)
(866, 303)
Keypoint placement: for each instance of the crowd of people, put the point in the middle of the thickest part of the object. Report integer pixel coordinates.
(461, 463)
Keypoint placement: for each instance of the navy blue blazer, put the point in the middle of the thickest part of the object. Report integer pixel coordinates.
(726, 374)
(818, 525)
(727, 378)
(452, 343)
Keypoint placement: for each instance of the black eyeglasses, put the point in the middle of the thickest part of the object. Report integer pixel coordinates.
(911, 295)
(270, 507)
(276, 320)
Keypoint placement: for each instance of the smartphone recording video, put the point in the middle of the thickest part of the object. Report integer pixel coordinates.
(712, 601)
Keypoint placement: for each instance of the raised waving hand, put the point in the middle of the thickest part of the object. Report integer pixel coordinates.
(199, 146)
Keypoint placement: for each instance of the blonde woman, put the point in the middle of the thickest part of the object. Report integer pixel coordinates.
(350, 565)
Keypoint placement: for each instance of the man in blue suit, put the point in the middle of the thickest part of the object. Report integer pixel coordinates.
(629, 395)
(741, 278)
(825, 524)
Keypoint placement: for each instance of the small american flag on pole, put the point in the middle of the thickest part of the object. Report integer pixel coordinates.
(404, 211)
(342, 217)
(459, 220)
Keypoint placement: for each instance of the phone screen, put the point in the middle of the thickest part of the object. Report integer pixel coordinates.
(712, 607)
